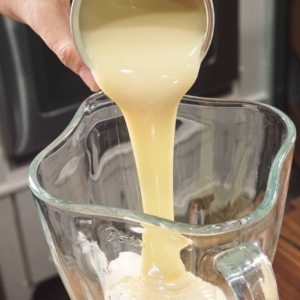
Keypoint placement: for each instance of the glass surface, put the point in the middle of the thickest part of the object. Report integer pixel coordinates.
(231, 170)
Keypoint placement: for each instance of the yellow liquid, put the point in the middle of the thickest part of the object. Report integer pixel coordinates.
(145, 55)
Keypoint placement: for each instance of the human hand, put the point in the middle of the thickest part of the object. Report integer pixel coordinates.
(50, 20)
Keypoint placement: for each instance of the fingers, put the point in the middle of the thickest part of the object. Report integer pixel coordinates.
(50, 20)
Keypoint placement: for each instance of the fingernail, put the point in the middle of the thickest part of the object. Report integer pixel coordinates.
(88, 79)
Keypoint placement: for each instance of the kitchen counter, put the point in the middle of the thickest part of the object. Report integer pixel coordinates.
(287, 259)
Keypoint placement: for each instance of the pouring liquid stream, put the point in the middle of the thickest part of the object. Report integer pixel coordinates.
(145, 55)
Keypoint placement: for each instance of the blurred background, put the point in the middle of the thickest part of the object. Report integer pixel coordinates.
(255, 55)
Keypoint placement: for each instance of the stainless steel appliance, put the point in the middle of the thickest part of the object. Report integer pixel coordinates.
(39, 95)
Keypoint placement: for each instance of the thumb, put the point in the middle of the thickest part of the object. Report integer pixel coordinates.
(51, 22)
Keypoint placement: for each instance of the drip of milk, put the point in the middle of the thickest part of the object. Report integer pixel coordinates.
(145, 55)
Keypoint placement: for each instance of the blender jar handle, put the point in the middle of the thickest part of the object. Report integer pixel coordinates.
(248, 272)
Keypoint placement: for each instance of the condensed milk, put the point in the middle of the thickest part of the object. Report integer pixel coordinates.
(145, 55)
